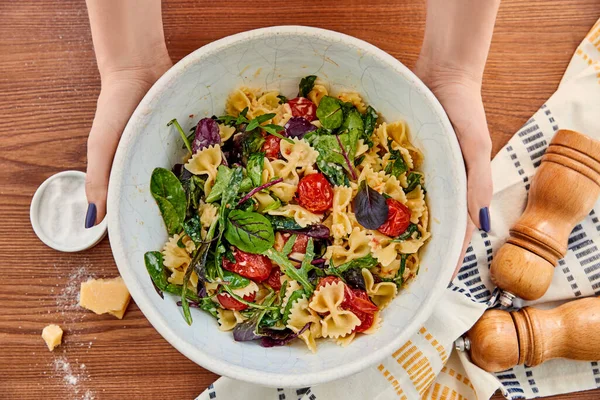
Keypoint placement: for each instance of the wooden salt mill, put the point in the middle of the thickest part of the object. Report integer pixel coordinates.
(501, 339)
(562, 193)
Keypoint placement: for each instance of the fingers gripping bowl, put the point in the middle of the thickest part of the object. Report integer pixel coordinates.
(276, 58)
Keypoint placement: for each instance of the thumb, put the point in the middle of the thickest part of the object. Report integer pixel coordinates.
(115, 105)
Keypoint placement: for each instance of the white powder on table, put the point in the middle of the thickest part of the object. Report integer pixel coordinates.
(73, 380)
(62, 210)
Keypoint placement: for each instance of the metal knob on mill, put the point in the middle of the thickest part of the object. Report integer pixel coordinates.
(562, 193)
(501, 339)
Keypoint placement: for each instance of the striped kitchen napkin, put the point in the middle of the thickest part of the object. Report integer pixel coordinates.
(426, 367)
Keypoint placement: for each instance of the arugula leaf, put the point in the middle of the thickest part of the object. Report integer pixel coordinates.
(282, 99)
(254, 168)
(255, 123)
(192, 228)
(252, 142)
(306, 85)
(299, 275)
(287, 247)
(234, 280)
(233, 121)
(413, 179)
(407, 234)
(335, 173)
(221, 181)
(185, 138)
(170, 197)
(249, 231)
(330, 112)
(296, 295)
(367, 261)
(369, 121)
(370, 207)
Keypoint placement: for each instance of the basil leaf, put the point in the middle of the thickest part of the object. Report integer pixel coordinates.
(333, 172)
(396, 165)
(221, 181)
(192, 228)
(330, 112)
(370, 207)
(249, 231)
(296, 295)
(170, 197)
(407, 234)
(413, 179)
(306, 85)
(234, 280)
(254, 168)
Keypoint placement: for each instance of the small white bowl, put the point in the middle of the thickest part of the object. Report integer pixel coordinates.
(71, 242)
(276, 58)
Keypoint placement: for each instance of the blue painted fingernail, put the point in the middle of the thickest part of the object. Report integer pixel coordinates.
(90, 217)
(484, 219)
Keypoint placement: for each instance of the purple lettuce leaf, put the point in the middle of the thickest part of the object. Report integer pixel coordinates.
(207, 134)
(274, 338)
(297, 127)
(245, 331)
(316, 231)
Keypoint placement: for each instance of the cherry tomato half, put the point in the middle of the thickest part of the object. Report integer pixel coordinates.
(366, 320)
(398, 219)
(299, 245)
(327, 280)
(358, 300)
(274, 279)
(315, 193)
(271, 147)
(251, 266)
(230, 303)
(303, 107)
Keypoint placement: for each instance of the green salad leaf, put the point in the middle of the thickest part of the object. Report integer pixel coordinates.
(280, 223)
(407, 234)
(255, 123)
(254, 168)
(158, 274)
(252, 143)
(221, 181)
(300, 275)
(232, 187)
(306, 85)
(396, 165)
(367, 261)
(369, 121)
(192, 228)
(330, 112)
(282, 99)
(249, 231)
(333, 172)
(287, 247)
(296, 295)
(170, 197)
(194, 187)
(413, 179)
(234, 280)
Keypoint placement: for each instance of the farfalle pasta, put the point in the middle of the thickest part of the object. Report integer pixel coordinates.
(292, 219)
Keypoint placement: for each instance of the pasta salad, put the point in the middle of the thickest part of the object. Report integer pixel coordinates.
(291, 218)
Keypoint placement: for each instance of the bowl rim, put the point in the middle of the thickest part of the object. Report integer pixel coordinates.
(255, 376)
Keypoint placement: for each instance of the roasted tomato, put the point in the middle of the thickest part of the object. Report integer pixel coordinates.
(299, 245)
(398, 219)
(251, 266)
(274, 278)
(271, 147)
(327, 280)
(230, 303)
(315, 193)
(303, 107)
(358, 300)
(366, 320)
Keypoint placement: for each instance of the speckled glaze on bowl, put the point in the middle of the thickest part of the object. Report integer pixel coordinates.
(276, 58)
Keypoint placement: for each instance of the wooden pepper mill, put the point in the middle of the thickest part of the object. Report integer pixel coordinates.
(562, 193)
(501, 339)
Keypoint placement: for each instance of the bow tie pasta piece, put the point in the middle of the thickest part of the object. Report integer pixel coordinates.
(398, 131)
(300, 315)
(299, 155)
(237, 101)
(282, 114)
(391, 187)
(328, 298)
(175, 256)
(382, 293)
(302, 216)
(355, 99)
(291, 288)
(228, 319)
(415, 201)
(345, 340)
(341, 225)
(356, 246)
(206, 162)
(226, 132)
(317, 93)
(285, 190)
(208, 214)
(177, 276)
(264, 200)
(269, 100)
(382, 247)
(338, 322)
(247, 290)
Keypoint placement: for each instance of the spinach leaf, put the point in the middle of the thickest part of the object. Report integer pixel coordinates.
(234, 280)
(193, 187)
(330, 112)
(369, 122)
(370, 207)
(299, 275)
(407, 234)
(221, 181)
(246, 185)
(306, 85)
(249, 231)
(270, 319)
(229, 193)
(396, 165)
(282, 99)
(297, 294)
(413, 179)
(333, 172)
(353, 121)
(156, 270)
(170, 197)
(192, 228)
(254, 168)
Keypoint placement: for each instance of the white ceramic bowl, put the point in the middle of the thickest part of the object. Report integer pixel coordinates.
(276, 58)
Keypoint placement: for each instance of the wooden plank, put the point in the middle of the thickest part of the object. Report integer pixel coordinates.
(48, 89)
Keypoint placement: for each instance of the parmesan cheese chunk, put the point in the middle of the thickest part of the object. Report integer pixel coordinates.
(105, 296)
(52, 335)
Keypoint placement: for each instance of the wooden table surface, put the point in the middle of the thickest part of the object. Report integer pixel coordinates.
(48, 89)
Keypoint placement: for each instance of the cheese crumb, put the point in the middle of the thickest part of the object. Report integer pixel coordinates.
(105, 296)
(52, 335)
